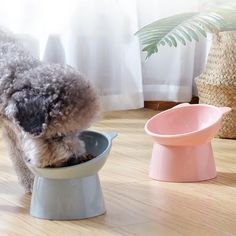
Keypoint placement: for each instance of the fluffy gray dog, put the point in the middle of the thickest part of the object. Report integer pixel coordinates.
(42, 109)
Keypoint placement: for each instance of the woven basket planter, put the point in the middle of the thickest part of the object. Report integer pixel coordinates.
(217, 84)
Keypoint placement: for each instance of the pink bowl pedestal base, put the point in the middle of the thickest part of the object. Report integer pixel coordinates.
(182, 163)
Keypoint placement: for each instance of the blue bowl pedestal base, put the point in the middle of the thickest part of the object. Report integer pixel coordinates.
(67, 199)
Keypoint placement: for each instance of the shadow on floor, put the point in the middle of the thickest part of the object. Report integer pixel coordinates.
(13, 209)
(224, 178)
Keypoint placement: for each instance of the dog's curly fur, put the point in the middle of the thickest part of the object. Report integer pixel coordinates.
(42, 109)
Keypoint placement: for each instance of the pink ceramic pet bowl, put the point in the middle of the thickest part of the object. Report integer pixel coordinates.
(182, 136)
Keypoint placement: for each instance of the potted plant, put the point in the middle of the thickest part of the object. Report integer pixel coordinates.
(217, 84)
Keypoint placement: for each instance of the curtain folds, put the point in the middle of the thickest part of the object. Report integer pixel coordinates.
(97, 38)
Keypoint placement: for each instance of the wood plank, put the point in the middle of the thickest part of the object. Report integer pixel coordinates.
(136, 205)
(163, 105)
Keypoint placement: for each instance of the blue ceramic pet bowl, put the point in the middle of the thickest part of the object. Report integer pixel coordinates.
(72, 192)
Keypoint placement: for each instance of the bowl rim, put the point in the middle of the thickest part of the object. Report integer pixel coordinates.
(218, 119)
(89, 162)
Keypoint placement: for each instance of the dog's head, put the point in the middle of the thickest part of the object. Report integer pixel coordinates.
(52, 99)
(29, 112)
(47, 102)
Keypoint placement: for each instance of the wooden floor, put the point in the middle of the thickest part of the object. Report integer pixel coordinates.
(136, 205)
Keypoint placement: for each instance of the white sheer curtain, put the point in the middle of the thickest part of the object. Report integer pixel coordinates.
(168, 75)
(97, 38)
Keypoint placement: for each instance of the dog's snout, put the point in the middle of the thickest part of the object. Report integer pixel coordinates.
(35, 130)
(32, 115)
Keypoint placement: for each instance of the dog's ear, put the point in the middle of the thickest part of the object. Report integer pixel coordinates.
(31, 114)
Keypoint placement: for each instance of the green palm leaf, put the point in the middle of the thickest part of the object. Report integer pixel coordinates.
(179, 28)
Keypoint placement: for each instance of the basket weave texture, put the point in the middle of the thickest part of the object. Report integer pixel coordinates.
(217, 84)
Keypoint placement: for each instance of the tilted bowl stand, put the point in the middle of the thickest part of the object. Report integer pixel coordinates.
(182, 135)
(73, 192)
